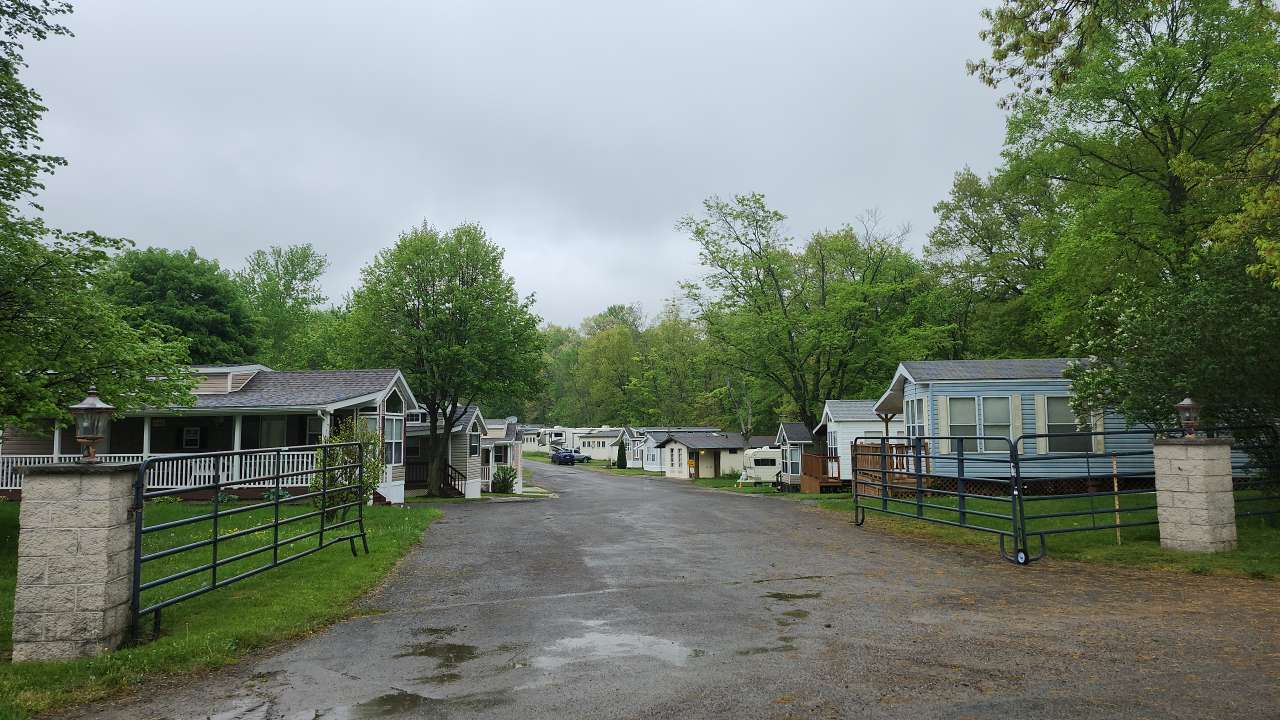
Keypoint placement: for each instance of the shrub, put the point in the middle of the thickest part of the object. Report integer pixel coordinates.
(272, 495)
(165, 500)
(504, 479)
(350, 484)
(226, 497)
(622, 454)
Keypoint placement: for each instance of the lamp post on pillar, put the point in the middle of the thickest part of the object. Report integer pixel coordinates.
(75, 549)
(1194, 488)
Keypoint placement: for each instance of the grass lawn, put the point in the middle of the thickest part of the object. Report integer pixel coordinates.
(730, 483)
(628, 472)
(535, 455)
(1258, 554)
(216, 628)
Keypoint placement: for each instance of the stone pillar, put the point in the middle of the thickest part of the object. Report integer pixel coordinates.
(1194, 499)
(75, 560)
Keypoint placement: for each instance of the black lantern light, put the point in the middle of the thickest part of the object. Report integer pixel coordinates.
(91, 416)
(1189, 415)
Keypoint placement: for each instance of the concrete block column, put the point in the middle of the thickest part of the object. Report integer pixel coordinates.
(75, 560)
(1194, 499)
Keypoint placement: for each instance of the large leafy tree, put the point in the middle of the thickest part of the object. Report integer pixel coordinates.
(282, 284)
(1155, 120)
(58, 333)
(990, 248)
(828, 319)
(439, 306)
(192, 296)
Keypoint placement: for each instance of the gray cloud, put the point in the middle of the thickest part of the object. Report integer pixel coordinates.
(577, 133)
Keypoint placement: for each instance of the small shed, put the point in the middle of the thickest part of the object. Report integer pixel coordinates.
(703, 455)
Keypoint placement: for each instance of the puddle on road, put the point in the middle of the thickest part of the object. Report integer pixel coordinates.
(405, 703)
(446, 655)
(763, 650)
(797, 614)
(798, 577)
(788, 597)
(608, 646)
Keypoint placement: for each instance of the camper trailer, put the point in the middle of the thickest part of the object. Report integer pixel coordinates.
(761, 466)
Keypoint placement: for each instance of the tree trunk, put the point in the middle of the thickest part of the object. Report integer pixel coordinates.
(437, 449)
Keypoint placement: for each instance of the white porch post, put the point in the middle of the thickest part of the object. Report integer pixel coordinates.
(146, 437)
(57, 442)
(235, 466)
(326, 419)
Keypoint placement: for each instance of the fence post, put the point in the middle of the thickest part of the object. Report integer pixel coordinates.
(884, 474)
(1019, 529)
(275, 511)
(960, 480)
(919, 442)
(75, 577)
(1194, 494)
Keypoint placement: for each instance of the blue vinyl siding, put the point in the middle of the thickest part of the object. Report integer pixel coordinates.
(1053, 465)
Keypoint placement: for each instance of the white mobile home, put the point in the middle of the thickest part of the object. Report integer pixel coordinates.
(703, 455)
(844, 421)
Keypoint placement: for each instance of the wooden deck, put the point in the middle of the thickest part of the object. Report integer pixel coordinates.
(821, 473)
(897, 461)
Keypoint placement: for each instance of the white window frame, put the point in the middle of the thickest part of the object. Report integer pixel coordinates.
(982, 423)
(951, 424)
(917, 417)
(393, 440)
(1075, 427)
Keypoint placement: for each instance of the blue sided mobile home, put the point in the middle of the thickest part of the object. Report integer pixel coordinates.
(985, 400)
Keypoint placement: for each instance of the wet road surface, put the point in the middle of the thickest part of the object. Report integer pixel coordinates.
(650, 598)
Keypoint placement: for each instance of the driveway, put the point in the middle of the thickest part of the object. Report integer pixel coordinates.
(650, 598)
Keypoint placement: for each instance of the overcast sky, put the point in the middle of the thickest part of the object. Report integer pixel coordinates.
(577, 133)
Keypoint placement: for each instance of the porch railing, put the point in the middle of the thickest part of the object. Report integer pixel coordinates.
(248, 469)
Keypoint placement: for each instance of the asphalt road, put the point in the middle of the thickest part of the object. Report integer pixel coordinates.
(651, 598)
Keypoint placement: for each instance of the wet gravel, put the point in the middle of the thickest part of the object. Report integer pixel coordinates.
(633, 597)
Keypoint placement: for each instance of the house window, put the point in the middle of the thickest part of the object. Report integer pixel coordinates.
(1062, 420)
(765, 462)
(500, 454)
(833, 441)
(963, 416)
(271, 431)
(393, 440)
(473, 444)
(190, 438)
(915, 417)
(995, 423)
(413, 447)
(315, 430)
(793, 461)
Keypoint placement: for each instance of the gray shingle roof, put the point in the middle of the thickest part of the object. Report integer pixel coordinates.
(759, 441)
(1029, 369)
(707, 441)
(305, 388)
(796, 432)
(849, 410)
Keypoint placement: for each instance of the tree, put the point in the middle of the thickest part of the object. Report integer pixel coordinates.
(282, 284)
(606, 362)
(439, 306)
(558, 402)
(58, 333)
(990, 248)
(830, 319)
(1155, 121)
(193, 297)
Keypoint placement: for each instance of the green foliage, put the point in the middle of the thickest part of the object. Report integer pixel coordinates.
(58, 333)
(828, 319)
(21, 162)
(439, 306)
(272, 495)
(1137, 196)
(225, 496)
(368, 456)
(192, 296)
(282, 286)
(504, 479)
(621, 461)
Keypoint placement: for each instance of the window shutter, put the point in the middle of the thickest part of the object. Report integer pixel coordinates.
(944, 424)
(1042, 425)
(1015, 420)
(1099, 425)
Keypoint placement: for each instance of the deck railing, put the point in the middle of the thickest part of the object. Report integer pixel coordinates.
(255, 469)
